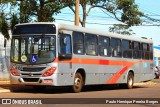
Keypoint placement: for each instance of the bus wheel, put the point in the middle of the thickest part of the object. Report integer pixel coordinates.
(78, 83)
(130, 80)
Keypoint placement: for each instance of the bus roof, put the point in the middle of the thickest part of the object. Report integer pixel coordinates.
(92, 31)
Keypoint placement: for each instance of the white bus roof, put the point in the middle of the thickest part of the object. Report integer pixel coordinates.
(92, 31)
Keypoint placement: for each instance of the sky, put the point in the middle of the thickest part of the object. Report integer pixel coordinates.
(149, 7)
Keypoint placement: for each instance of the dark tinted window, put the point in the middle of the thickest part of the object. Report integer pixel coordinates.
(151, 51)
(116, 47)
(78, 43)
(91, 44)
(127, 48)
(34, 29)
(104, 46)
(136, 46)
(65, 44)
(145, 51)
(144, 47)
(137, 50)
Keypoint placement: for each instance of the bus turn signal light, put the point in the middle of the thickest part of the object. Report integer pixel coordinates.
(14, 71)
(49, 72)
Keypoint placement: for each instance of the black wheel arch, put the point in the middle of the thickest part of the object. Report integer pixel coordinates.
(131, 71)
(83, 73)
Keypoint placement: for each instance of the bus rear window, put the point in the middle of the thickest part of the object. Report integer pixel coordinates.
(35, 29)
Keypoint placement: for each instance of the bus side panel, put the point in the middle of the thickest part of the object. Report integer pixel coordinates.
(65, 75)
(107, 72)
(142, 72)
(147, 71)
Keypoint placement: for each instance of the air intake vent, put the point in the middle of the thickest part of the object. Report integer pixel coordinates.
(33, 69)
(31, 79)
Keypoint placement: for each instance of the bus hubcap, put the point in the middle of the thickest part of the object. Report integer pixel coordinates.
(77, 82)
(130, 82)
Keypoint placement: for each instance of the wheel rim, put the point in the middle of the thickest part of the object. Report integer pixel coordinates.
(130, 82)
(77, 82)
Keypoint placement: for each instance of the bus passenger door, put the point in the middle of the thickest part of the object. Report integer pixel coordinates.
(64, 60)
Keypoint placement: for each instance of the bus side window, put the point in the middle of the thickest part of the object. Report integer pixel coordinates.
(91, 44)
(78, 43)
(151, 52)
(65, 49)
(145, 50)
(116, 47)
(104, 46)
(127, 48)
(137, 50)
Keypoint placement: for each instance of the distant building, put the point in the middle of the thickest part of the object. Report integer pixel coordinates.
(156, 50)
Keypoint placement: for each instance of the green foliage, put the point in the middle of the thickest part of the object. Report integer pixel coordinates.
(130, 13)
(25, 11)
(45, 9)
(14, 21)
(38, 10)
(121, 29)
(4, 26)
(125, 11)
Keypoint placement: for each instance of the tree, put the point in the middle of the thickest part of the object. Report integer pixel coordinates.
(14, 21)
(38, 10)
(4, 26)
(125, 11)
(83, 3)
(25, 11)
(121, 29)
(45, 9)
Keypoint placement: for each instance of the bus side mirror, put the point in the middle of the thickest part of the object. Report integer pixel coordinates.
(5, 42)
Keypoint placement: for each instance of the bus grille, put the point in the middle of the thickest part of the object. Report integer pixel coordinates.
(35, 69)
(27, 74)
(31, 79)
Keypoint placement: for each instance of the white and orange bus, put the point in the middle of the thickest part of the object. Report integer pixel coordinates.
(52, 54)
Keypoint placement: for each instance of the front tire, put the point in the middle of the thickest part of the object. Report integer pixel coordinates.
(130, 80)
(156, 76)
(78, 83)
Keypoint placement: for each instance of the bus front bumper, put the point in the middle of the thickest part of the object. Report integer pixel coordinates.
(17, 80)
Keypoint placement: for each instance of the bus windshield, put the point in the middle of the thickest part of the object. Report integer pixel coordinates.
(33, 49)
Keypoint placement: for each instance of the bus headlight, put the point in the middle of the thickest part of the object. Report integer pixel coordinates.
(14, 71)
(49, 72)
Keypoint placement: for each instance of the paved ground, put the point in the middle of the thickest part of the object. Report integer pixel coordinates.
(140, 90)
(4, 86)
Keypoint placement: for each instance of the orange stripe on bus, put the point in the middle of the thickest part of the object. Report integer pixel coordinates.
(116, 76)
(99, 61)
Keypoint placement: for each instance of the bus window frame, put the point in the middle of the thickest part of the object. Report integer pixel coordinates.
(96, 45)
(83, 43)
(151, 52)
(129, 49)
(137, 51)
(145, 51)
(64, 56)
(113, 53)
(108, 54)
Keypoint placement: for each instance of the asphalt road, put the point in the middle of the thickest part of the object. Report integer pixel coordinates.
(97, 94)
